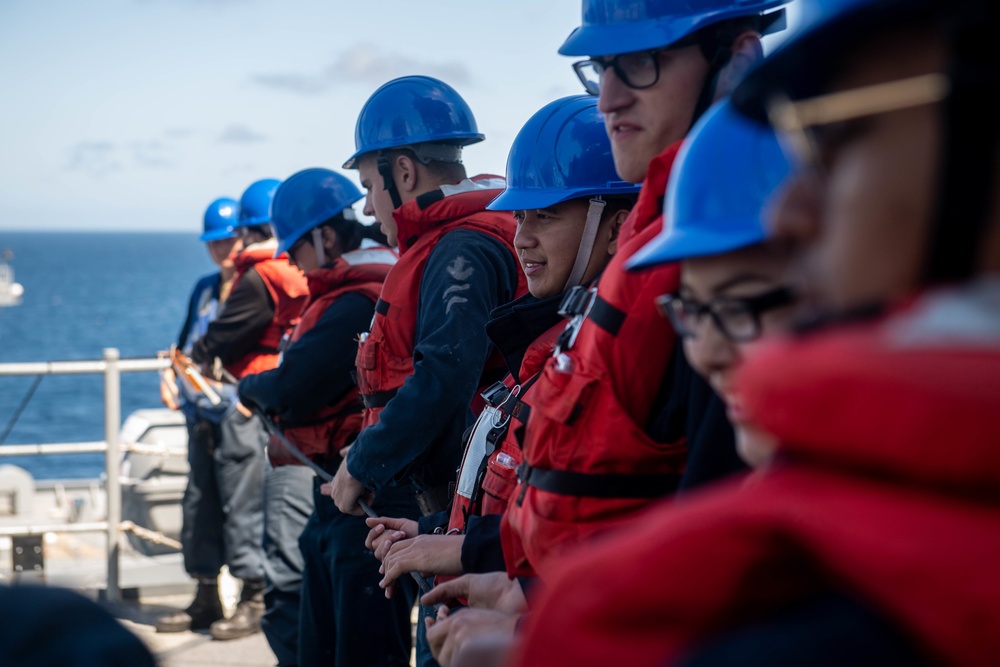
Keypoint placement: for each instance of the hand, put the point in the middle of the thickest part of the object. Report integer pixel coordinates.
(484, 651)
(448, 636)
(244, 410)
(493, 591)
(426, 554)
(168, 389)
(346, 491)
(385, 531)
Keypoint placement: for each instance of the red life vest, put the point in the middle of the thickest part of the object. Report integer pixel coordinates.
(288, 289)
(888, 491)
(589, 462)
(488, 475)
(334, 426)
(385, 354)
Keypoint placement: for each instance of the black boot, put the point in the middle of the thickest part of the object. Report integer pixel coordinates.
(200, 614)
(246, 619)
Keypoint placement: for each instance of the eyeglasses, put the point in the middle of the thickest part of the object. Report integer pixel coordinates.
(798, 123)
(737, 318)
(638, 70)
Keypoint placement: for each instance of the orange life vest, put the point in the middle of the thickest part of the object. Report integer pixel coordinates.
(288, 290)
(336, 425)
(588, 462)
(385, 354)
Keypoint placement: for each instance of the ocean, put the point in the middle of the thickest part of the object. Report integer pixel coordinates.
(84, 292)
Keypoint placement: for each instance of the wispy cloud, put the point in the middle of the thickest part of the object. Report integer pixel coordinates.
(240, 134)
(97, 158)
(364, 63)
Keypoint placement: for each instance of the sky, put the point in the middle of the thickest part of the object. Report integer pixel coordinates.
(136, 114)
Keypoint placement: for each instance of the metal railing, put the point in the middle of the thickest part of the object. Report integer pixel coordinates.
(111, 366)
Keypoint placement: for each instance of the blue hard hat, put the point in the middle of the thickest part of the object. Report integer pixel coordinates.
(221, 218)
(255, 204)
(718, 188)
(307, 199)
(561, 153)
(610, 27)
(412, 110)
(802, 65)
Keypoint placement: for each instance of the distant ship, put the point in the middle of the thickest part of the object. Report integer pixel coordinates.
(10, 291)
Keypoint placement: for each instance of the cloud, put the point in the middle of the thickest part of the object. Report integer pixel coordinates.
(238, 168)
(178, 132)
(240, 134)
(364, 63)
(100, 158)
(150, 154)
(97, 158)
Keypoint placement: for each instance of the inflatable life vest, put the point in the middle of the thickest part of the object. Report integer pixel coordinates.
(524, 331)
(333, 427)
(588, 462)
(288, 289)
(886, 490)
(385, 354)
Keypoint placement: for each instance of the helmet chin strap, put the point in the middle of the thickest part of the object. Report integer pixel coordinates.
(594, 213)
(385, 169)
(317, 240)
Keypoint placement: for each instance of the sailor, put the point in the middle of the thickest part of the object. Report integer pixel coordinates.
(225, 492)
(568, 212)
(420, 366)
(209, 293)
(596, 450)
(867, 541)
(736, 284)
(314, 399)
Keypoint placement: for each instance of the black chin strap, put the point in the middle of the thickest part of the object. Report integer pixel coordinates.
(970, 133)
(385, 169)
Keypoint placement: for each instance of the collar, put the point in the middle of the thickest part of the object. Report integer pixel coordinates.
(449, 202)
(514, 326)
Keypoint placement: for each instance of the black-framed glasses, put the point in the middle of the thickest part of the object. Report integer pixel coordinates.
(638, 70)
(804, 126)
(737, 318)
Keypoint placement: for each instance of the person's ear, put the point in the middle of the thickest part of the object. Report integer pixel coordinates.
(746, 51)
(406, 173)
(330, 239)
(617, 220)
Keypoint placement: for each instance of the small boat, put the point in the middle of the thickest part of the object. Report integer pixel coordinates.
(10, 291)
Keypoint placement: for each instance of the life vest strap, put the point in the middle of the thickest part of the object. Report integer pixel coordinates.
(379, 399)
(598, 485)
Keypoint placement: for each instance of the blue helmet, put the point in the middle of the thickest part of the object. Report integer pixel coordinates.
(413, 110)
(802, 65)
(306, 200)
(719, 186)
(561, 153)
(611, 27)
(221, 218)
(255, 204)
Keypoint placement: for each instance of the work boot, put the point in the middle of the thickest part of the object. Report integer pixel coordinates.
(246, 619)
(200, 614)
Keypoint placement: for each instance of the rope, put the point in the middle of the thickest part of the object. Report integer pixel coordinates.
(17, 413)
(150, 535)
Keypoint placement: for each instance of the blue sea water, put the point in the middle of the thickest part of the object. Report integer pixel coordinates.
(84, 292)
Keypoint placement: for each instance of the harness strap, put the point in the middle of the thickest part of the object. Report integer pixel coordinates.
(606, 316)
(382, 307)
(598, 485)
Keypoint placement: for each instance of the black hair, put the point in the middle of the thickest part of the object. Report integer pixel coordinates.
(351, 232)
(618, 203)
(263, 230)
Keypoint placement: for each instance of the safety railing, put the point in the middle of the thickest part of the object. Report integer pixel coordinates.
(111, 366)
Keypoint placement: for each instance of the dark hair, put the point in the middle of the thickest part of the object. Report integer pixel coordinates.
(351, 232)
(618, 203)
(444, 172)
(263, 230)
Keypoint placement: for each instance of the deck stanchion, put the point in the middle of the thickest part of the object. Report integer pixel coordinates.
(112, 424)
